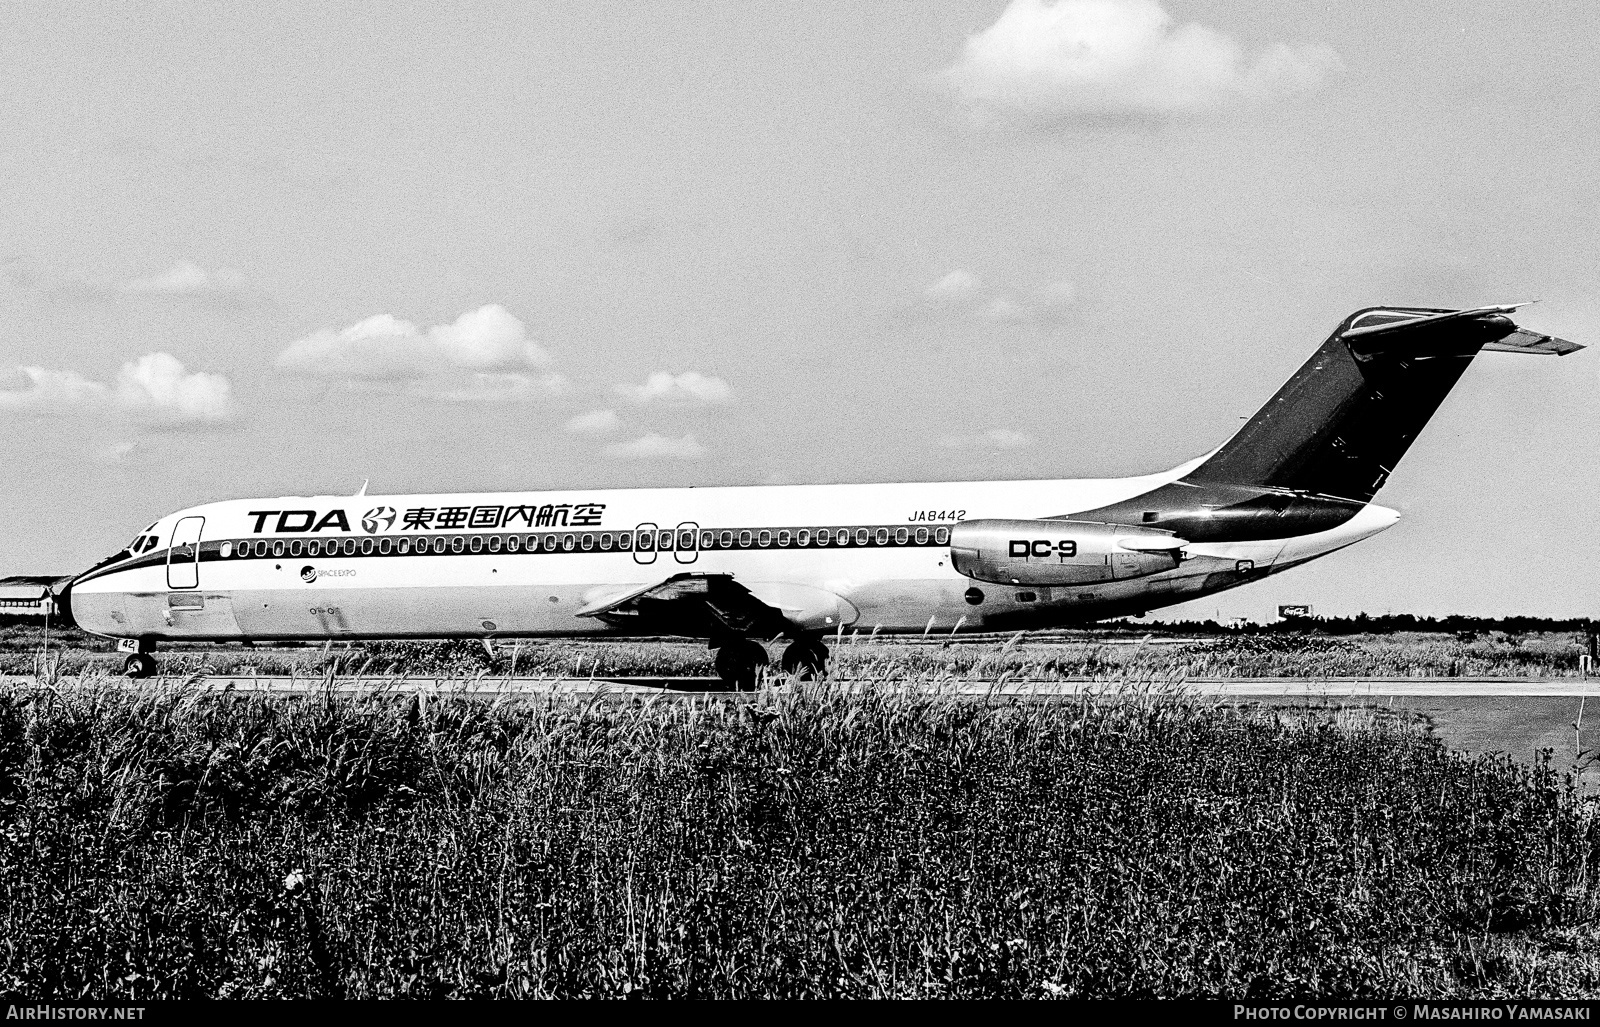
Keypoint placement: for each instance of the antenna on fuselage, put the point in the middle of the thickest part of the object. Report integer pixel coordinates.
(363, 490)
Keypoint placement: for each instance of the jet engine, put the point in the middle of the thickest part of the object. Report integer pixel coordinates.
(1060, 552)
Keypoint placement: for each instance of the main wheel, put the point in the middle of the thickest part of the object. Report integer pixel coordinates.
(739, 663)
(805, 658)
(139, 665)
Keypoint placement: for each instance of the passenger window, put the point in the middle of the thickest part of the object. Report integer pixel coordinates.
(664, 541)
(861, 536)
(783, 539)
(605, 541)
(922, 536)
(587, 541)
(882, 536)
(745, 538)
(294, 548)
(549, 543)
(457, 544)
(822, 536)
(226, 550)
(1026, 597)
(366, 547)
(941, 535)
(685, 540)
(313, 548)
(568, 542)
(384, 546)
(802, 538)
(901, 536)
(513, 543)
(707, 539)
(725, 540)
(494, 543)
(624, 540)
(764, 539)
(476, 545)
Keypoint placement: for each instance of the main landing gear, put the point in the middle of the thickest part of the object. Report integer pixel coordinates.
(740, 661)
(805, 658)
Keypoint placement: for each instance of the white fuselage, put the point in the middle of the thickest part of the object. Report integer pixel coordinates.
(529, 563)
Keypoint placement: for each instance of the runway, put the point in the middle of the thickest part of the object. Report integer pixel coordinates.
(1370, 688)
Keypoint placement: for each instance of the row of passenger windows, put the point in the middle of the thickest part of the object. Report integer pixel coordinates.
(665, 540)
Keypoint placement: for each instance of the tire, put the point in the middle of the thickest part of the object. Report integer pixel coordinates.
(806, 658)
(739, 663)
(139, 665)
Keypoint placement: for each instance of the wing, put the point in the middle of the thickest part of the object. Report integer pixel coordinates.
(694, 604)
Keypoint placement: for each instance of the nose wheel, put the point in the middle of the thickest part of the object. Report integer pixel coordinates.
(139, 665)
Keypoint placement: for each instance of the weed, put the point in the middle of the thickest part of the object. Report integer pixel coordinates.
(158, 842)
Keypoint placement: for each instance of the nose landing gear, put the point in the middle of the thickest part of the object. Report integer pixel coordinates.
(141, 661)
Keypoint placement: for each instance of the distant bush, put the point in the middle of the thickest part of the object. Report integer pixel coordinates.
(161, 843)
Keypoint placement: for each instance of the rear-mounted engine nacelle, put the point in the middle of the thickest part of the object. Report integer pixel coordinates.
(1060, 552)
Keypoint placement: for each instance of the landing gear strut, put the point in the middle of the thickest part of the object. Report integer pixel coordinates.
(805, 658)
(739, 663)
(139, 665)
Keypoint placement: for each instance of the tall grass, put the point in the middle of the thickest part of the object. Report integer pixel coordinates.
(157, 842)
(1243, 656)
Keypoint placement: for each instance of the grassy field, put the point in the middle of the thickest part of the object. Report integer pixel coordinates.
(1494, 654)
(156, 842)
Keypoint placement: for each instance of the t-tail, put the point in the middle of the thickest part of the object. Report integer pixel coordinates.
(1323, 446)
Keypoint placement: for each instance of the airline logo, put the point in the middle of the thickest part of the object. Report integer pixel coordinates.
(380, 519)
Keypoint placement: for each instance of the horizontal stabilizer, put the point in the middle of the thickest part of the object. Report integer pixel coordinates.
(1524, 341)
(1379, 322)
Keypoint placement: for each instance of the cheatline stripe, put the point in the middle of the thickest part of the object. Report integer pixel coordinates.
(559, 543)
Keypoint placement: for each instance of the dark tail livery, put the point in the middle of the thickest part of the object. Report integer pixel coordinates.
(1324, 445)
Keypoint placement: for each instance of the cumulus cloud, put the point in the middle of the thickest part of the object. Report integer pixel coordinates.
(994, 438)
(1053, 61)
(689, 389)
(386, 348)
(595, 422)
(956, 285)
(657, 447)
(961, 292)
(155, 389)
(185, 278)
(504, 387)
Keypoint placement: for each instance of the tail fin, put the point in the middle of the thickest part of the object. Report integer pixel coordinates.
(1341, 424)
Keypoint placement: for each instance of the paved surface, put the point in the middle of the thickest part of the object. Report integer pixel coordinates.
(1243, 688)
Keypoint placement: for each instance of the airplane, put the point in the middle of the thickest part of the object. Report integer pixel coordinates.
(745, 566)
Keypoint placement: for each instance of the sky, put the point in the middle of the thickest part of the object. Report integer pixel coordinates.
(256, 250)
